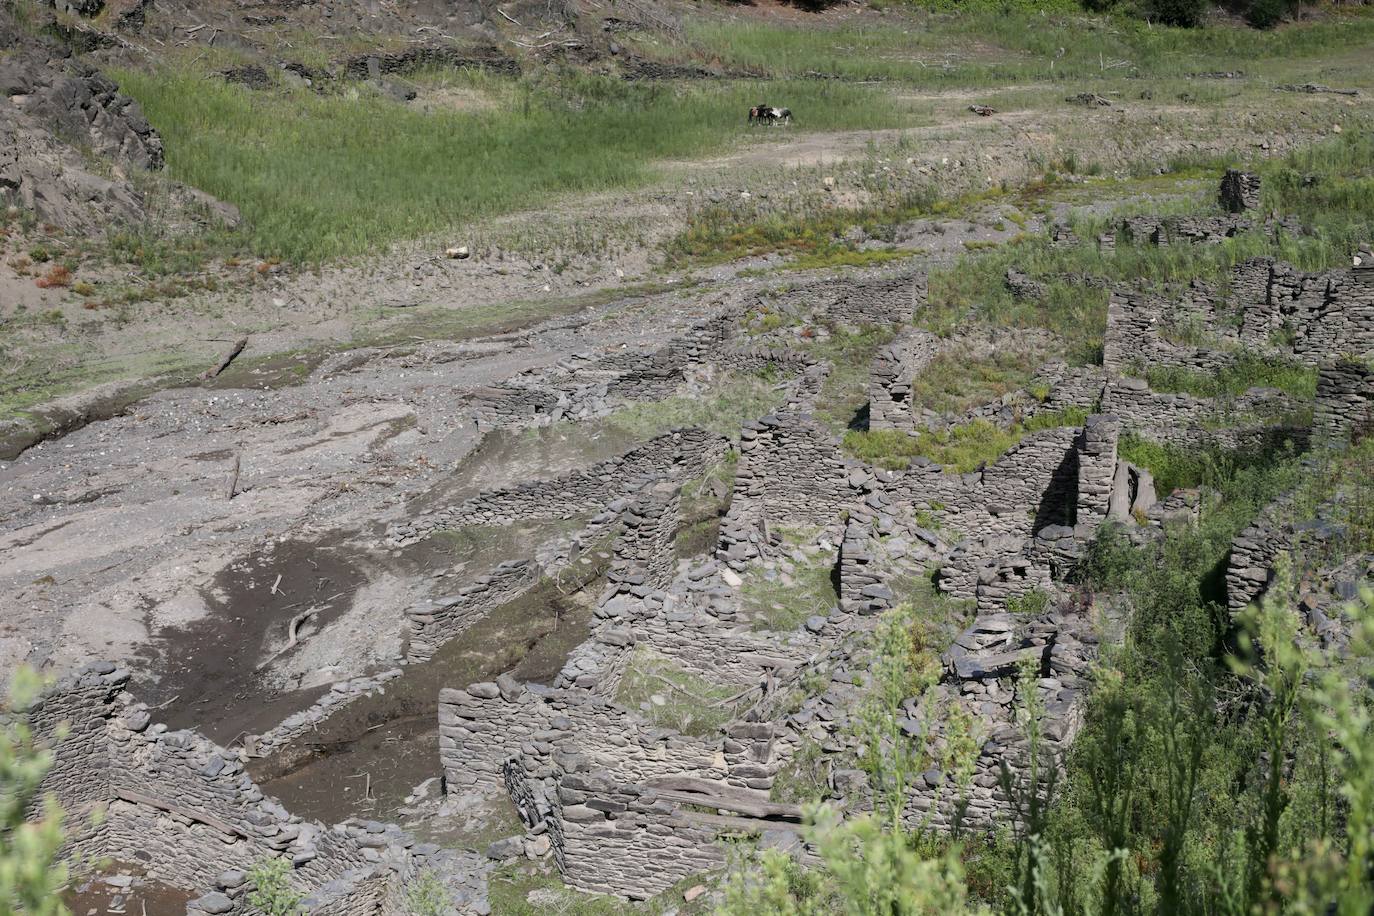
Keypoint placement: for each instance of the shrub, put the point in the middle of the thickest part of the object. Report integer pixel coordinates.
(58, 275)
(1265, 14)
(272, 894)
(1187, 13)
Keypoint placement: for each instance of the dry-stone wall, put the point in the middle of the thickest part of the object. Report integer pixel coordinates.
(894, 368)
(183, 808)
(1322, 316)
(482, 726)
(695, 625)
(615, 826)
(1097, 463)
(1345, 403)
(1256, 417)
(679, 455)
(1240, 191)
(983, 675)
(1134, 338)
(434, 623)
(791, 471)
(1322, 576)
(858, 302)
(607, 835)
(643, 555)
(1250, 566)
(1186, 230)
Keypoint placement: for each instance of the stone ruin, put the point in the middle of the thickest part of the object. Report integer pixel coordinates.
(621, 805)
(1240, 191)
(183, 809)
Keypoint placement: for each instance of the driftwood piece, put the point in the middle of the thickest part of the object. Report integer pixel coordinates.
(1089, 98)
(233, 480)
(1315, 89)
(747, 824)
(229, 357)
(707, 793)
(200, 817)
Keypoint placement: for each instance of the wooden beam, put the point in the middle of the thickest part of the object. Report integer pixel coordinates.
(200, 817)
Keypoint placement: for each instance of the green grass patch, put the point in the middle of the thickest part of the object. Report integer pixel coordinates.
(722, 409)
(686, 702)
(987, 43)
(844, 396)
(850, 257)
(318, 176)
(809, 228)
(955, 381)
(1246, 372)
(783, 606)
(961, 448)
(1175, 466)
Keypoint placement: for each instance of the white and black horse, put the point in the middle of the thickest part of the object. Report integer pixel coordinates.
(768, 114)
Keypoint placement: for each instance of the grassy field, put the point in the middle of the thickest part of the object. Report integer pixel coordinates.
(981, 47)
(319, 176)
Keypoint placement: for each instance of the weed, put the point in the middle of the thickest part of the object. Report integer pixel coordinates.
(671, 697)
(272, 893)
(427, 896)
(961, 448)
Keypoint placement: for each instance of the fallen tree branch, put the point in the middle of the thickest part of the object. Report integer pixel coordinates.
(233, 479)
(229, 357)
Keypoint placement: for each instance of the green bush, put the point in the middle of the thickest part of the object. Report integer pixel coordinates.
(272, 893)
(1265, 14)
(1186, 13)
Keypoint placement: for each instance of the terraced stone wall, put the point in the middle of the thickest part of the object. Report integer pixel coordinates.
(482, 726)
(791, 471)
(183, 808)
(1345, 403)
(436, 622)
(895, 367)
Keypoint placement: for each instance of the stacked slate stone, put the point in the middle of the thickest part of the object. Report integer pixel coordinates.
(608, 835)
(1133, 337)
(1251, 419)
(1063, 236)
(184, 808)
(1252, 568)
(677, 455)
(857, 303)
(1240, 191)
(643, 556)
(1322, 316)
(434, 623)
(482, 726)
(895, 366)
(308, 719)
(1194, 230)
(696, 626)
(984, 671)
(791, 471)
(619, 816)
(1022, 287)
(1097, 471)
(878, 549)
(1345, 403)
(862, 591)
